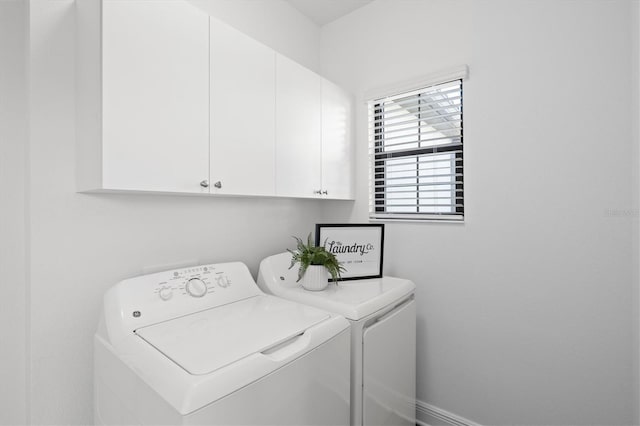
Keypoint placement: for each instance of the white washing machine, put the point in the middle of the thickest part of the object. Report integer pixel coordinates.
(382, 313)
(204, 345)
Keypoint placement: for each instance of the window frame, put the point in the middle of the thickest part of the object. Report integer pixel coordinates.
(379, 213)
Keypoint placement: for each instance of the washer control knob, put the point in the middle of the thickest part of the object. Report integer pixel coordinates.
(222, 281)
(196, 287)
(165, 293)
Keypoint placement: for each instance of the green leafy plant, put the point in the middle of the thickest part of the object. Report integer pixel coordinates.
(310, 254)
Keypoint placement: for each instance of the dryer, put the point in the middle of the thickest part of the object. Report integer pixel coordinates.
(382, 314)
(204, 345)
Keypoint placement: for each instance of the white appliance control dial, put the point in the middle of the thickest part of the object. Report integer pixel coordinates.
(196, 287)
(165, 293)
(222, 281)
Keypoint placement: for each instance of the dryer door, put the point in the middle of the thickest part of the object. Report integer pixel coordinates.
(389, 368)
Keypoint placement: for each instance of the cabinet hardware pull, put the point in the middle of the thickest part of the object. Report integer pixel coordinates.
(317, 192)
(218, 184)
(325, 192)
(204, 183)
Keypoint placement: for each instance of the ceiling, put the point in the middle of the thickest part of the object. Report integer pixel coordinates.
(324, 11)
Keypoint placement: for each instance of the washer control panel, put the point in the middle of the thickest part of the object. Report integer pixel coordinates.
(199, 281)
(148, 299)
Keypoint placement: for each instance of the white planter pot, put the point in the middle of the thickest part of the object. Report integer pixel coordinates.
(315, 278)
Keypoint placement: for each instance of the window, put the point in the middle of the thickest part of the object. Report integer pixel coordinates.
(415, 146)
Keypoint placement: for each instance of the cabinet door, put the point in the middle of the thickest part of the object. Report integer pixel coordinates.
(337, 146)
(298, 110)
(242, 113)
(155, 95)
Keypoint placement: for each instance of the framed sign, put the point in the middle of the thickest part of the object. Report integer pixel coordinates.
(359, 247)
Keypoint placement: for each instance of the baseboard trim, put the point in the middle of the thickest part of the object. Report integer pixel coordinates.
(428, 415)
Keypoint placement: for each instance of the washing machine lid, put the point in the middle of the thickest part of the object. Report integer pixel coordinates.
(209, 340)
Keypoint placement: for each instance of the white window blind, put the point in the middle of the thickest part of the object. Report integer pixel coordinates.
(415, 147)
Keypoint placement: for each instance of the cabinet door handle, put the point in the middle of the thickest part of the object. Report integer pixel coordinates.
(325, 192)
(204, 183)
(318, 191)
(218, 184)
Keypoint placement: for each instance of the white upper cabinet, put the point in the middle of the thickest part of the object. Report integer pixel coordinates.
(298, 139)
(314, 149)
(337, 146)
(144, 85)
(242, 113)
(172, 100)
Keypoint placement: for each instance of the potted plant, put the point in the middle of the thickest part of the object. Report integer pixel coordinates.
(315, 262)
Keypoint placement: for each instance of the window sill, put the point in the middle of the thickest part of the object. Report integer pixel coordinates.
(431, 220)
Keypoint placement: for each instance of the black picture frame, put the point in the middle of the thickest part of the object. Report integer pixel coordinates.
(357, 245)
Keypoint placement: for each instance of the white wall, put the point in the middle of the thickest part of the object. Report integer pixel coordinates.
(81, 244)
(13, 144)
(525, 310)
(274, 23)
(635, 198)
